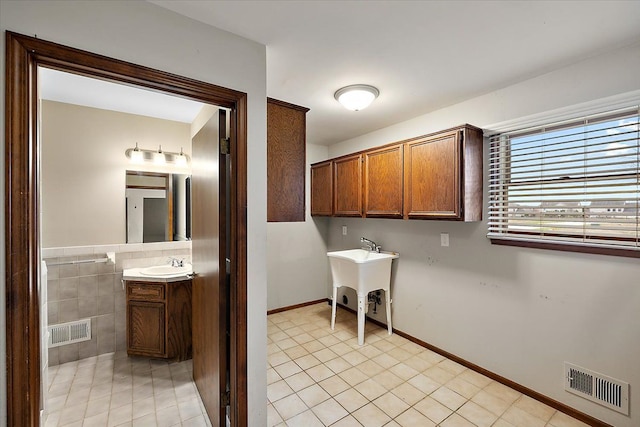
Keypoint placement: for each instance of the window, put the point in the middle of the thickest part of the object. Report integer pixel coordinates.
(568, 186)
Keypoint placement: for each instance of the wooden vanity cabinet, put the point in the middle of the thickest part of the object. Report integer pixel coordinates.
(443, 175)
(347, 186)
(322, 189)
(383, 182)
(286, 161)
(159, 319)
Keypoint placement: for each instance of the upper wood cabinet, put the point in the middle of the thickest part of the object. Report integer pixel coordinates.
(347, 186)
(322, 189)
(383, 182)
(286, 161)
(435, 176)
(443, 175)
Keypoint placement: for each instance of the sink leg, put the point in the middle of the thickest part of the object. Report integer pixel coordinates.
(361, 312)
(333, 307)
(387, 296)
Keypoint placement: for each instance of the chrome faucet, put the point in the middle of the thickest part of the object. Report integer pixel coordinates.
(175, 262)
(373, 247)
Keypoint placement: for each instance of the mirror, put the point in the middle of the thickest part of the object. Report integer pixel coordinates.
(158, 207)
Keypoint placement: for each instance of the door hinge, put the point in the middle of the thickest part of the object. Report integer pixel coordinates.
(225, 399)
(225, 145)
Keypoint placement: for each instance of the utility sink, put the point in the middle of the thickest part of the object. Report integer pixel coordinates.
(364, 271)
(165, 270)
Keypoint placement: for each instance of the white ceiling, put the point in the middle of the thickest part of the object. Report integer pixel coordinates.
(421, 55)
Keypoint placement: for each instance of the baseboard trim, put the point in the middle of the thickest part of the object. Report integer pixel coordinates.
(588, 419)
(291, 307)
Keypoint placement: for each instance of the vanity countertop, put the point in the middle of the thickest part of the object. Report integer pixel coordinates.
(135, 274)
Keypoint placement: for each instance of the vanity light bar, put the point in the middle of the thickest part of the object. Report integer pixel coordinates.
(140, 155)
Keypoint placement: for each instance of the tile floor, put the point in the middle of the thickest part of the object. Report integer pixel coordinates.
(115, 390)
(319, 377)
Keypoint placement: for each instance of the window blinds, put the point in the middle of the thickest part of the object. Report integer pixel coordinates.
(574, 182)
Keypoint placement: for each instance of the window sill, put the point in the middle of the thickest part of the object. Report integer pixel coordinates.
(622, 252)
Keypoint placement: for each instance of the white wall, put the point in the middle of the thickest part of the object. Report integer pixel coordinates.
(517, 312)
(145, 34)
(297, 268)
(84, 169)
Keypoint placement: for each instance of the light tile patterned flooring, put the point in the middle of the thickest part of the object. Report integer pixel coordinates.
(115, 390)
(319, 377)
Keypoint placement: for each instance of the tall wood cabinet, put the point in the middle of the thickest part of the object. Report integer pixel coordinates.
(435, 176)
(159, 319)
(286, 161)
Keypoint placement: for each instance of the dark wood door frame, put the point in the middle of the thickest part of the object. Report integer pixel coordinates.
(23, 55)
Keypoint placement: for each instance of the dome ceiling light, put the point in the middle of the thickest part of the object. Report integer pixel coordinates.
(356, 97)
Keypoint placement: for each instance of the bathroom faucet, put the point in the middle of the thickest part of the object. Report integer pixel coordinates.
(373, 247)
(175, 262)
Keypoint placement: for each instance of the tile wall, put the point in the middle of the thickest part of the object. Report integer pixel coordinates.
(95, 290)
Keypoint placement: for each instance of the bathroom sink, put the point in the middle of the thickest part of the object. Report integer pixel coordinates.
(165, 270)
(364, 271)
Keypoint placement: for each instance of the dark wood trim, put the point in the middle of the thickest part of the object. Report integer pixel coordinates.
(291, 307)
(596, 250)
(23, 55)
(588, 419)
(287, 105)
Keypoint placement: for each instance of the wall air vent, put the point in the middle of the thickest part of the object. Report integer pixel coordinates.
(69, 333)
(606, 391)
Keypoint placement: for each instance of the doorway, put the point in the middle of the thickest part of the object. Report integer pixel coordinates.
(24, 55)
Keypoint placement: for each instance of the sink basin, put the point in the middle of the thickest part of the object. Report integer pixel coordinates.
(364, 271)
(165, 270)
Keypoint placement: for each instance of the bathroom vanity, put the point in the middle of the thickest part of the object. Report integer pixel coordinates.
(158, 316)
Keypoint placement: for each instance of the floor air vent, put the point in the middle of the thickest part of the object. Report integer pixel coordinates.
(69, 333)
(596, 387)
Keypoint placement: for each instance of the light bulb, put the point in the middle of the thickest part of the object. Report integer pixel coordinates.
(136, 155)
(181, 159)
(158, 157)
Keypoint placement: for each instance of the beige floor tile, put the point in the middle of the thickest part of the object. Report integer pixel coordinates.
(148, 420)
(272, 376)
(325, 355)
(433, 409)
(490, 402)
(308, 361)
(353, 376)
(502, 423)
(385, 360)
(413, 418)
(535, 408)
(168, 417)
(424, 384)
(456, 420)
(319, 373)
(391, 404)
(290, 406)
(329, 411)
(351, 400)
(338, 365)
(399, 354)
(448, 398)
(439, 375)
(297, 351)
(334, 385)
(371, 416)
(98, 420)
(287, 369)
(278, 390)
(475, 378)
(347, 421)
(313, 395)
(354, 357)
(463, 388)
(408, 393)
(370, 389)
(404, 371)
(299, 381)
(341, 349)
(278, 358)
(313, 346)
(560, 419)
(503, 392)
(517, 416)
(122, 414)
(477, 415)
(305, 419)
(388, 380)
(418, 363)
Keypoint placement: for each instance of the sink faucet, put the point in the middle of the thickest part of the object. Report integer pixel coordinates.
(373, 247)
(175, 262)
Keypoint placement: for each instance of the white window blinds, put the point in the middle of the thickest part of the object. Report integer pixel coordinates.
(571, 183)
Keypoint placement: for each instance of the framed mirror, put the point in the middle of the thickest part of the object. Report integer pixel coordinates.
(158, 207)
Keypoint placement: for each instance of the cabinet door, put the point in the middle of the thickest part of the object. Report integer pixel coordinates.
(432, 177)
(347, 186)
(286, 161)
(383, 182)
(322, 189)
(146, 328)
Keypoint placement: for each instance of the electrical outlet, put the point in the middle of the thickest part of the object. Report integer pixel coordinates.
(344, 230)
(444, 239)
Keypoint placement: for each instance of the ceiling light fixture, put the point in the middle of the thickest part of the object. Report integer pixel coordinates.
(137, 156)
(356, 97)
(181, 159)
(158, 156)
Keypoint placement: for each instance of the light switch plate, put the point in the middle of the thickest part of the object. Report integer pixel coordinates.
(344, 230)
(444, 239)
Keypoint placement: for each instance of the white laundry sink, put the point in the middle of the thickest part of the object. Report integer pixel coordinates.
(364, 271)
